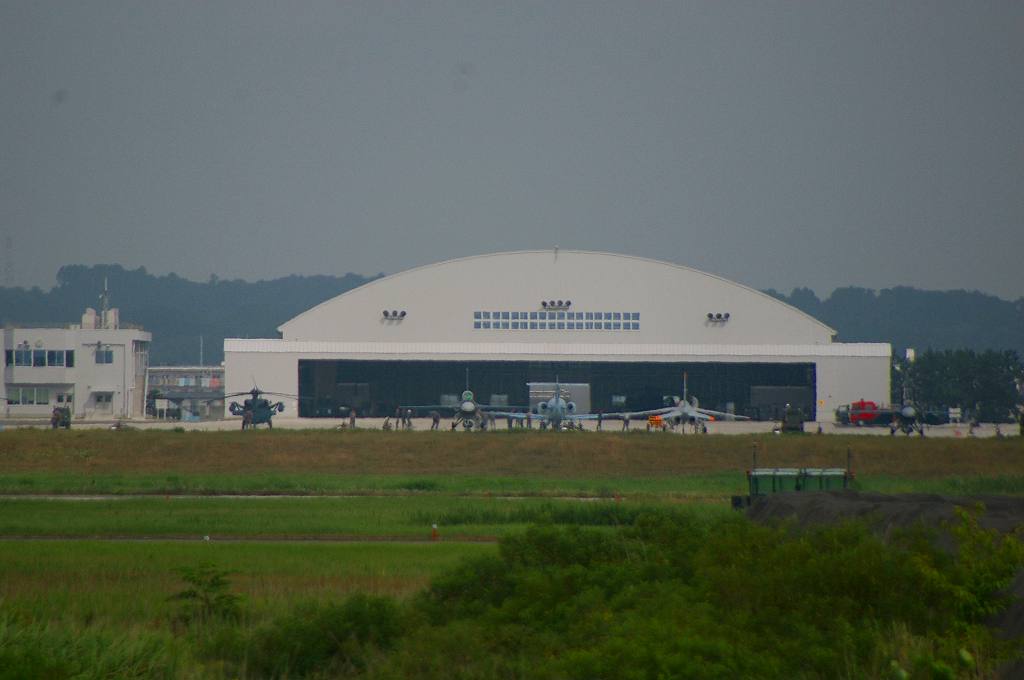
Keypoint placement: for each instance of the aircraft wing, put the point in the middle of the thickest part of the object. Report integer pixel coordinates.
(431, 407)
(515, 415)
(708, 414)
(636, 415)
(580, 416)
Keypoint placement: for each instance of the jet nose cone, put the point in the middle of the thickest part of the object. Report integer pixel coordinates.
(467, 407)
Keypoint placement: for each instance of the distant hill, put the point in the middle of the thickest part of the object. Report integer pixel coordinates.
(177, 311)
(922, 319)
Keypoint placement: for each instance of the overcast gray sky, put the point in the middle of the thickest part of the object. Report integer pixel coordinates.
(777, 144)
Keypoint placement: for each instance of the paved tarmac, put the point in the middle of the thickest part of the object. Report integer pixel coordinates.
(422, 424)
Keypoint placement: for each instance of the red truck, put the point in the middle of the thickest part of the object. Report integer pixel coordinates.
(865, 412)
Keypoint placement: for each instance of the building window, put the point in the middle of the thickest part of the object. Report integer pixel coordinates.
(476, 324)
(55, 357)
(104, 356)
(533, 325)
(69, 358)
(476, 315)
(39, 357)
(533, 315)
(28, 396)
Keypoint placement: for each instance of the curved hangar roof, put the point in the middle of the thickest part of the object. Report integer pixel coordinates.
(556, 297)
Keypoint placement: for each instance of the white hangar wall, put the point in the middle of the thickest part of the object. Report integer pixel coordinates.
(844, 372)
(670, 302)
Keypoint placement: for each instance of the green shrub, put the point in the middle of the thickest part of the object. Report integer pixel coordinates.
(208, 595)
(673, 596)
(332, 638)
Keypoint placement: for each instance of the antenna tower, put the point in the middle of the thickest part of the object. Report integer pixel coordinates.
(104, 304)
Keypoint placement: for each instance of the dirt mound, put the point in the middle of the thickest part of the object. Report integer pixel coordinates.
(883, 512)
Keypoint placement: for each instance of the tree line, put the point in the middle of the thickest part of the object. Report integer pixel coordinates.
(988, 385)
(969, 343)
(175, 310)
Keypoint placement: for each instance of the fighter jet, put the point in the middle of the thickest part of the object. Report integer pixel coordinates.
(686, 410)
(468, 413)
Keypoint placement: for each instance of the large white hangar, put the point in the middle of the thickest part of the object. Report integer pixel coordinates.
(623, 328)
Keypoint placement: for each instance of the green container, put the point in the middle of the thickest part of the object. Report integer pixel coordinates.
(763, 481)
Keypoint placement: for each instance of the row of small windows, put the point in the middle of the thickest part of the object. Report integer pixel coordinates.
(558, 316)
(36, 396)
(559, 325)
(45, 357)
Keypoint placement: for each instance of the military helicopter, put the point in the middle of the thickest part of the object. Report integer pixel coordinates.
(257, 409)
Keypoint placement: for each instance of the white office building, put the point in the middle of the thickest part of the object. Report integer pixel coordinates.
(97, 368)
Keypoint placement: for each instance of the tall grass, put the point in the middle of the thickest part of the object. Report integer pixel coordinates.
(47, 650)
(128, 584)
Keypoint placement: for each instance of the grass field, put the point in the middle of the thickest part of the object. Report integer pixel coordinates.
(518, 463)
(403, 517)
(128, 584)
(313, 516)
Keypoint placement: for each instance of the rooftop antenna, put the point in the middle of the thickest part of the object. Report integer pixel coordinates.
(104, 303)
